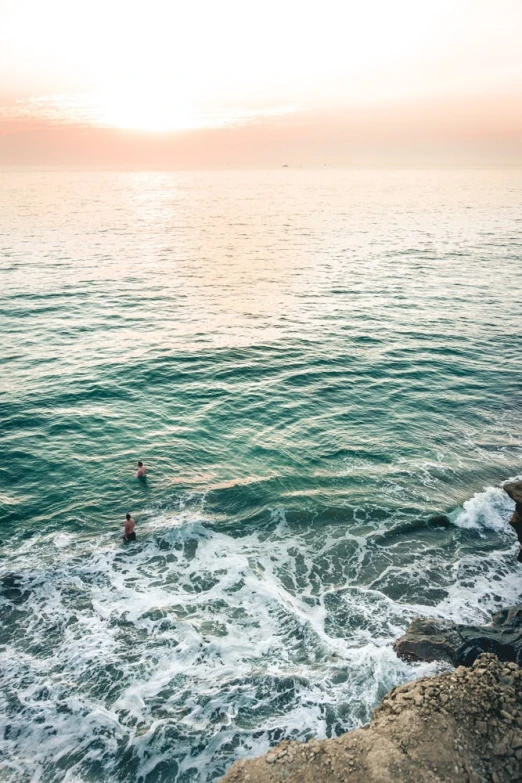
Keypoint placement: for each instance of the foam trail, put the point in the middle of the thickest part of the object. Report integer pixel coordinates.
(191, 634)
(171, 658)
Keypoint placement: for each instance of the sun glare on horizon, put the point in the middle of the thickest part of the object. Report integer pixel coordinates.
(147, 113)
(164, 66)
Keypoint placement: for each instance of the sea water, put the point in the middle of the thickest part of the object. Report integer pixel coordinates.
(311, 364)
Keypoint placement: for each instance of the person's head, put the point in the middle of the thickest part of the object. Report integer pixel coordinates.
(140, 464)
(127, 516)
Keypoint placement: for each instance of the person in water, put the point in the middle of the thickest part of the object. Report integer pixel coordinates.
(142, 470)
(129, 532)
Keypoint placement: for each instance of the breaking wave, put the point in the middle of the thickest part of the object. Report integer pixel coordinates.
(196, 646)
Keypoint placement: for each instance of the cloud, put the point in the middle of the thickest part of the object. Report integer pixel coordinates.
(475, 130)
(130, 114)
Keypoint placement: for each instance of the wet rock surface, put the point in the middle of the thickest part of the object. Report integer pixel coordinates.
(439, 520)
(463, 726)
(433, 640)
(514, 490)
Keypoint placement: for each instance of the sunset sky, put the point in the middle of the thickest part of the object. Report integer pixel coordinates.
(252, 82)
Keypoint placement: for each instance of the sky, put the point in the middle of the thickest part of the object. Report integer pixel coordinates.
(234, 82)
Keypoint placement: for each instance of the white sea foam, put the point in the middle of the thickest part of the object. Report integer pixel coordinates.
(195, 640)
(489, 509)
(194, 646)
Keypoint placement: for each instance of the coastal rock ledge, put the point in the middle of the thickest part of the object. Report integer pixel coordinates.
(463, 726)
(514, 490)
(460, 645)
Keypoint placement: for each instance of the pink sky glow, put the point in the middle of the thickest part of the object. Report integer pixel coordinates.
(166, 82)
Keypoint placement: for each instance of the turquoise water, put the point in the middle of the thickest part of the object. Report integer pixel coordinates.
(311, 364)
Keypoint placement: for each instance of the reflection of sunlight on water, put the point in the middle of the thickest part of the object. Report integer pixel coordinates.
(309, 364)
(232, 258)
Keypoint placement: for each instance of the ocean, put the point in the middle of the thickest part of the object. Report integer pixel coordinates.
(312, 364)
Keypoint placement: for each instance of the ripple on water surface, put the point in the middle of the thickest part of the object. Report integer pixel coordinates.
(311, 364)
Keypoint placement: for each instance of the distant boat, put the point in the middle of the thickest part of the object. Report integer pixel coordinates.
(284, 166)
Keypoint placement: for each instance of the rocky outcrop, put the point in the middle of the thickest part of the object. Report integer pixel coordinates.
(463, 726)
(439, 640)
(514, 490)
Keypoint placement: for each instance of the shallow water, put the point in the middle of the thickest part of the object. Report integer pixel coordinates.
(311, 363)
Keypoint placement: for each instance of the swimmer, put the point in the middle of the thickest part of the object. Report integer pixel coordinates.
(129, 533)
(142, 470)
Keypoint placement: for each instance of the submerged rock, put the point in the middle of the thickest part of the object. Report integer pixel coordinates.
(439, 520)
(435, 640)
(12, 587)
(514, 490)
(462, 726)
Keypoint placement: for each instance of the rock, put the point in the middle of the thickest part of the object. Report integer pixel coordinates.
(428, 640)
(432, 640)
(418, 744)
(439, 520)
(514, 490)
